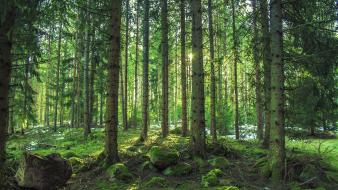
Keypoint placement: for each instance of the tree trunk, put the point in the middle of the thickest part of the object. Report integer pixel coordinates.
(225, 107)
(125, 97)
(165, 62)
(145, 81)
(86, 75)
(57, 77)
(264, 19)
(5, 72)
(259, 106)
(183, 72)
(197, 95)
(235, 52)
(113, 84)
(136, 65)
(277, 94)
(213, 131)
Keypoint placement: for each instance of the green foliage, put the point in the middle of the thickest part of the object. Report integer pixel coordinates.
(156, 182)
(180, 169)
(211, 178)
(219, 162)
(119, 171)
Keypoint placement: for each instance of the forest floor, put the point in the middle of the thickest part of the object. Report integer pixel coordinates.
(311, 163)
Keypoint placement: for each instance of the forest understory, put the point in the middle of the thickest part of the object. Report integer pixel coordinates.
(312, 163)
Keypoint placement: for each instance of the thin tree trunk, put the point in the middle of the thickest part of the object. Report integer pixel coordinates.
(183, 72)
(165, 63)
(25, 87)
(225, 107)
(197, 95)
(277, 141)
(57, 77)
(111, 148)
(145, 81)
(86, 75)
(136, 64)
(212, 77)
(259, 106)
(94, 62)
(47, 104)
(5, 75)
(125, 97)
(264, 19)
(235, 51)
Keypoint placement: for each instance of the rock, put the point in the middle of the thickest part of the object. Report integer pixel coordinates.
(227, 188)
(211, 178)
(219, 162)
(181, 169)
(156, 182)
(76, 163)
(162, 157)
(43, 172)
(119, 171)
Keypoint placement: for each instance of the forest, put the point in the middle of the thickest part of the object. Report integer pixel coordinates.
(168, 94)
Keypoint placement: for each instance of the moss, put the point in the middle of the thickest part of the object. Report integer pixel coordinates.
(202, 165)
(176, 131)
(70, 154)
(119, 171)
(180, 169)
(227, 188)
(147, 165)
(219, 162)
(76, 163)
(156, 182)
(162, 157)
(211, 178)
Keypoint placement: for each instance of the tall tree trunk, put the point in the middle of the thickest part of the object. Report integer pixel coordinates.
(57, 76)
(47, 104)
(25, 98)
(125, 97)
(183, 72)
(145, 81)
(259, 106)
(277, 141)
(197, 95)
(94, 62)
(86, 74)
(264, 19)
(165, 62)
(212, 77)
(225, 107)
(136, 64)
(5, 75)
(113, 84)
(235, 51)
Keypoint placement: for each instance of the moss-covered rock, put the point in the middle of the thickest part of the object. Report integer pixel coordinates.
(119, 171)
(76, 163)
(211, 178)
(180, 169)
(219, 162)
(156, 182)
(162, 157)
(227, 188)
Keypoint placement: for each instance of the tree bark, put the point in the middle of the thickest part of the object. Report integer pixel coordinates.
(259, 106)
(264, 19)
(235, 52)
(57, 76)
(113, 84)
(86, 126)
(165, 62)
(213, 131)
(145, 81)
(125, 94)
(5, 74)
(136, 65)
(183, 72)
(277, 141)
(197, 95)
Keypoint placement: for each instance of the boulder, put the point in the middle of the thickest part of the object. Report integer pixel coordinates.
(211, 178)
(119, 171)
(43, 172)
(181, 169)
(162, 157)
